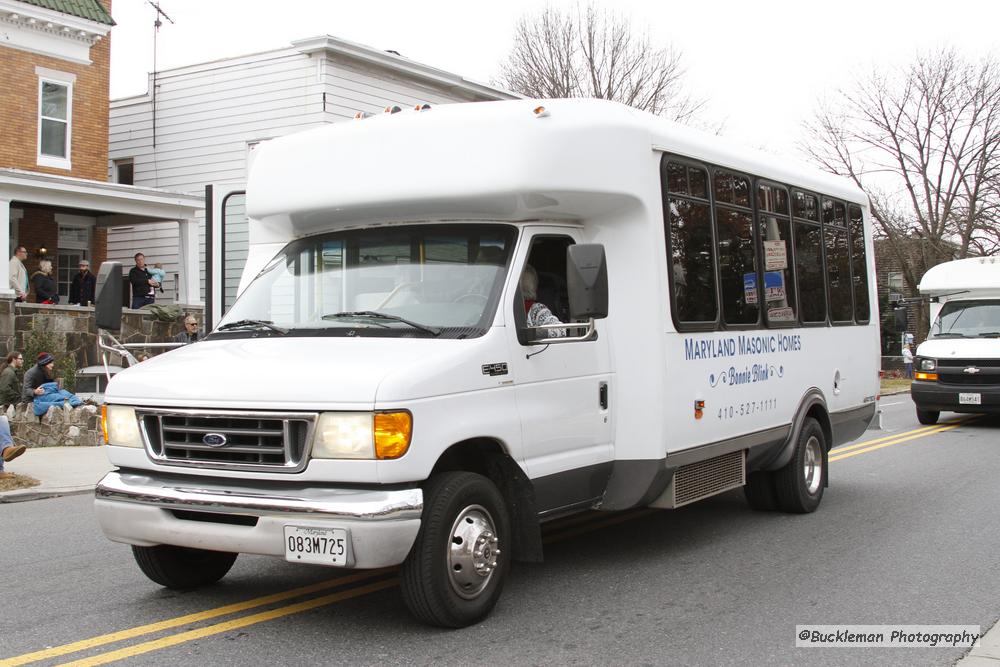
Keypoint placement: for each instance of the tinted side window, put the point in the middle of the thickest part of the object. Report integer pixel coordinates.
(689, 233)
(774, 231)
(809, 272)
(737, 266)
(804, 206)
(859, 265)
(838, 265)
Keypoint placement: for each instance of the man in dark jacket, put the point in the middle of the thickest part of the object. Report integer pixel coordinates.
(36, 376)
(81, 290)
(10, 385)
(190, 333)
(143, 285)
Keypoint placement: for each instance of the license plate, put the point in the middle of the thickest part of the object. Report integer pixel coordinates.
(970, 399)
(319, 546)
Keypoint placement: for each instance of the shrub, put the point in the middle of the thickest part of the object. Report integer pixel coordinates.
(40, 339)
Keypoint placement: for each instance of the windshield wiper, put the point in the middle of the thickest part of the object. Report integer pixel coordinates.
(253, 324)
(375, 315)
(989, 334)
(948, 335)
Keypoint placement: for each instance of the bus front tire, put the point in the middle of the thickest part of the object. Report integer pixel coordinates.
(181, 568)
(798, 486)
(928, 417)
(455, 571)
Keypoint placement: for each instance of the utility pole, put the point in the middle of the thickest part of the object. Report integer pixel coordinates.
(156, 30)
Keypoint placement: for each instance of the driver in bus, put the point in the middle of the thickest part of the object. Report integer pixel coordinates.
(537, 312)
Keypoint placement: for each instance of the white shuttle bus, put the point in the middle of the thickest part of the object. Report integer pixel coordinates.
(957, 368)
(461, 322)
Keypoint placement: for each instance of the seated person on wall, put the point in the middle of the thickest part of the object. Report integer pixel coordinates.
(8, 449)
(537, 312)
(41, 388)
(10, 385)
(45, 286)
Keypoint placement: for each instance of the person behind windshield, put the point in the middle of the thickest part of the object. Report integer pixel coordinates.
(537, 312)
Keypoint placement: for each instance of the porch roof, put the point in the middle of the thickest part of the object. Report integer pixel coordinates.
(113, 204)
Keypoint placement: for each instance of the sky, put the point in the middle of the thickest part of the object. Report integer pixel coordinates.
(762, 66)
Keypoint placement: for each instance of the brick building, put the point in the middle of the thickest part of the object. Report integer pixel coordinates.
(54, 196)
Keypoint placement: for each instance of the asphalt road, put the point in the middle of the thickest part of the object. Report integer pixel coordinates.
(906, 534)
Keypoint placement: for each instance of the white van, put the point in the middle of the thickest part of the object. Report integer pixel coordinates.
(376, 395)
(957, 368)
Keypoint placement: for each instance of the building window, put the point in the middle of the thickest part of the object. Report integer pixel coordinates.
(896, 285)
(55, 112)
(124, 172)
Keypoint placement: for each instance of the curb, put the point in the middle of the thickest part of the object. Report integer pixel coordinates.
(987, 654)
(895, 392)
(35, 493)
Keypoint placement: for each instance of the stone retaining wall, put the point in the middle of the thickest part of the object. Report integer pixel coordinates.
(57, 428)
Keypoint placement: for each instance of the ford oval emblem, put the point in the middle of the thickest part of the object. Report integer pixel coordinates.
(214, 439)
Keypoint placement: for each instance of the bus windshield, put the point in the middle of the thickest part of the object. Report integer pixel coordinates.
(968, 319)
(432, 280)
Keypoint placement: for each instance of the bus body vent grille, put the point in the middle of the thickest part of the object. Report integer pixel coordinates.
(705, 478)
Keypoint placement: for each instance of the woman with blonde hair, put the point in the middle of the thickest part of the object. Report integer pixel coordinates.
(45, 286)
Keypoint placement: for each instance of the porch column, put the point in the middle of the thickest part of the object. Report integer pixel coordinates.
(189, 278)
(5, 289)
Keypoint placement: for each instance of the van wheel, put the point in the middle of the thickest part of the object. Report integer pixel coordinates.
(928, 417)
(759, 491)
(456, 569)
(181, 568)
(799, 485)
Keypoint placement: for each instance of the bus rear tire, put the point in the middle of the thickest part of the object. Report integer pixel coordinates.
(759, 491)
(928, 417)
(181, 568)
(799, 485)
(455, 571)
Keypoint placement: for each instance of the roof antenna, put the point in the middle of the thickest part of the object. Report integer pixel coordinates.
(156, 30)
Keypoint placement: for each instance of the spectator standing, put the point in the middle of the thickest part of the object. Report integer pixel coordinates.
(36, 376)
(19, 274)
(143, 284)
(10, 385)
(190, 333)
(908, 362)
(81, 290)
(45, 287)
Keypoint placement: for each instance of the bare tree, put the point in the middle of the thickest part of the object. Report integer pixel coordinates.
(924, 142)
(596, 54)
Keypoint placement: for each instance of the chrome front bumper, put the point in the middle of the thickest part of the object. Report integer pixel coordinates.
(146, 510)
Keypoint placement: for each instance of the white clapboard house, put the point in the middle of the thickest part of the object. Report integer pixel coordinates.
(206, 119)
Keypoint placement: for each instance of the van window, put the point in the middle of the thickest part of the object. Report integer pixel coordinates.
(838, 261)
(775, 234)
(737, 252)
(859, 265)
(809, 272)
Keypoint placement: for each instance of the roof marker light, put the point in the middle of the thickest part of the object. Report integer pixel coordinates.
(422, 107)
(361, 115)
(540, 112)
(392, 109)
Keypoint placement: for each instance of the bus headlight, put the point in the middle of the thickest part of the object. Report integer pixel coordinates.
(344, 435)
(928, 364)
(121, 426)
(362, 435)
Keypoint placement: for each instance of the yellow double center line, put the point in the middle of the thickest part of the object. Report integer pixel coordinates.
(890, 440)
(565, 530)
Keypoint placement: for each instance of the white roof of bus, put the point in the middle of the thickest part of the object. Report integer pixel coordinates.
(498, 152)
(974, 273)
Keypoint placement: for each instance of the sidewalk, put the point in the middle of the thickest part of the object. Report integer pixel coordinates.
(61, 470)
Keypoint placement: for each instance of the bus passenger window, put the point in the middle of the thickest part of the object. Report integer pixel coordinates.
(809, 272)
(774, 232)
(737, 253)
(859, 265)
(838, 261)
(690, 244)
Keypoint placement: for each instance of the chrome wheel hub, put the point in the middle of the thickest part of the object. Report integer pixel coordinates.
(473, 551)
(812, 466)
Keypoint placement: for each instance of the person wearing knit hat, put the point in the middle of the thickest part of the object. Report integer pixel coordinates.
(36, 376)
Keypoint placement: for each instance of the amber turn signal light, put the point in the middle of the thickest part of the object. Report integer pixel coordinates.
(919, 375)
(392, 434)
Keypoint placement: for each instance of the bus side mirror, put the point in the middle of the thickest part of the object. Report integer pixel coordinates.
(900, 317)
(108, 301)
(587, 281)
